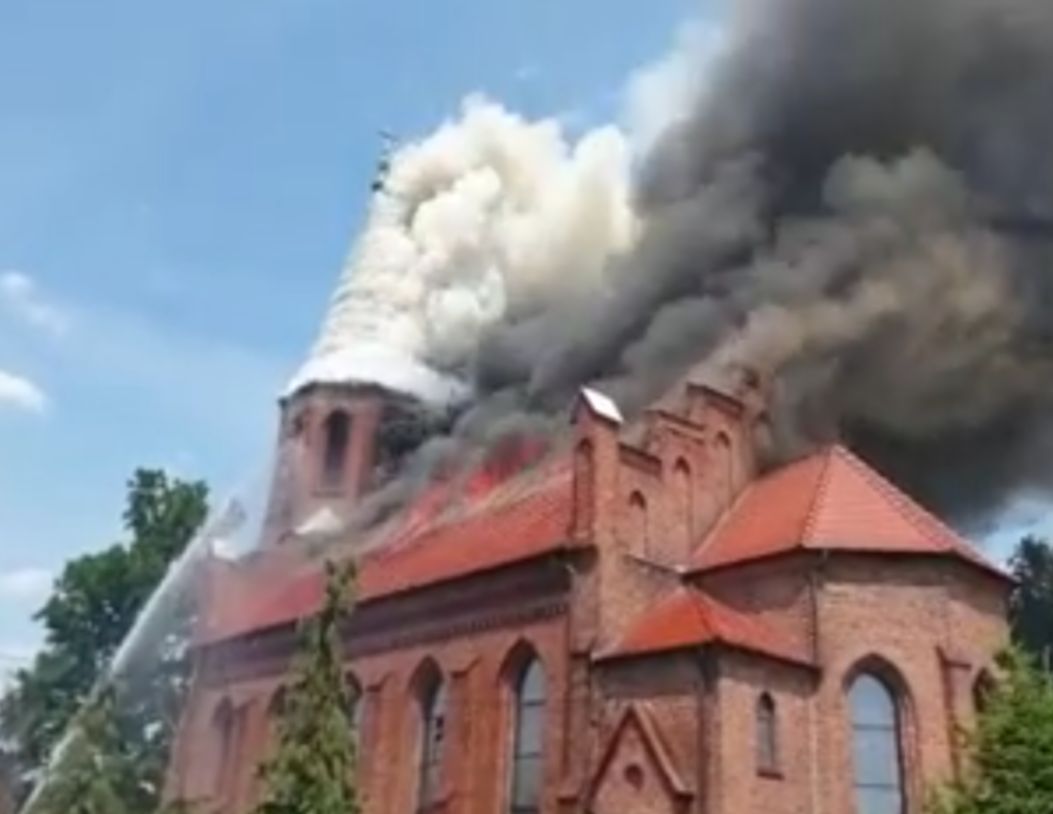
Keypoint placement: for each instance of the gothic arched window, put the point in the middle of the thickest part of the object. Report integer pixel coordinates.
(337, 436)
(276, 707)
(228, 724)
(724, 467)
(983, 688)
(584, 473)
(767, 736)
(877, 747)
(639, 531)
(683, 494)
(528, 740)
(432, 737)
(355, 707)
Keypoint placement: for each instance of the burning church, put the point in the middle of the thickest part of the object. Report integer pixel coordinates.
(634, 470)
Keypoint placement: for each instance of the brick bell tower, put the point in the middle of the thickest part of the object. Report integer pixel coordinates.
(324, 458)
(337, 440)
(359, 403)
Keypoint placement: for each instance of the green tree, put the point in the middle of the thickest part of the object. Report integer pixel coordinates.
(1011, 749)
(93, 774)
(313, 770)
(1031, 609)
(93, 605)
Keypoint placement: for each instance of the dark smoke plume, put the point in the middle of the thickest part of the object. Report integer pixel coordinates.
(861, 205)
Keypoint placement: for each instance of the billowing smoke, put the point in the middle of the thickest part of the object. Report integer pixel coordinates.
(489, 219)
(858, 201)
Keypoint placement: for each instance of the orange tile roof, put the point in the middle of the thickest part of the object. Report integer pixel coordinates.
(688, 619)
(831, 500)
(529, 522)
(490, 536)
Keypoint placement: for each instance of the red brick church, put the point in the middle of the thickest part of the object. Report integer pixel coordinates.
(641, 621)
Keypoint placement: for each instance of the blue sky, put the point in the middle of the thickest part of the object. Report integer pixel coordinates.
(179, 183)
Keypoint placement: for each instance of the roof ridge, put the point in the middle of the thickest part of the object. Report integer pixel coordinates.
(726, 515)
(700, 605)
(821, 489)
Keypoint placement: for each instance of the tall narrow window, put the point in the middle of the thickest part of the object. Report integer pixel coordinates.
(276, 707)
(528, 741)
(356, 703)
(275, 712)
(767, 736)
(983, 688)
(639, 531)
(433, 733)
(876, 745)
(229, 723)
(683, 494)
(723, 468)
(337, 430)
(584, 473)
(223, 725)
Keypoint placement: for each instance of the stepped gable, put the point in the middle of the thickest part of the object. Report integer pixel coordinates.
(688, 619)
(526, 518)
(829, 501)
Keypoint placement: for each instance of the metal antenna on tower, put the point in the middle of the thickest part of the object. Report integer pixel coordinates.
(389, 143)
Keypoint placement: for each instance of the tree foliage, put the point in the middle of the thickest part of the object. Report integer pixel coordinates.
(313, 770)
(1011, 749)
(92, 607)
(93, 774)
(1031, 609)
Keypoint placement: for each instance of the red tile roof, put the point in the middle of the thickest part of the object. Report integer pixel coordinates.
(489, 537)
(688, 619)
(834, 501)
(529, 522)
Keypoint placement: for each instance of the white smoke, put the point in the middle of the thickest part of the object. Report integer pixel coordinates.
(491, 217)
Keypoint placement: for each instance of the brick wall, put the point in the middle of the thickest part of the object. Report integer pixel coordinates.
(777, 591)
(661, 735)
(478, 668)
(900, 615)
(741, 786)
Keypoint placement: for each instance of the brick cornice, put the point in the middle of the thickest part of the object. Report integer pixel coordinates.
(508, 598)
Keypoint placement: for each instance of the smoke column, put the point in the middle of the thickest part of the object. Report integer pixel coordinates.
(489, 219)
(857, 200)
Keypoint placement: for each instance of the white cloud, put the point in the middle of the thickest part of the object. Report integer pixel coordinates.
(21, 393)
(664, 92)
(25, 584)
(21, 296)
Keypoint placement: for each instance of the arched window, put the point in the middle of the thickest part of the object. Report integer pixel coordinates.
(876, 741)
(276, 707)
(337, 432)
(223, 726)
(724, 467)
(682, 491)
(583, 488)
(639, 530)
(983, 689)
(355, 707)
(767, 736)
(528, 740)
(275, 712)
(432, 737)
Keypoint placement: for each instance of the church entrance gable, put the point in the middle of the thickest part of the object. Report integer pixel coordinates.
(636, 773)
